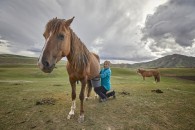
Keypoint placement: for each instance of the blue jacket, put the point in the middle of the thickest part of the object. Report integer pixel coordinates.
(105, 78)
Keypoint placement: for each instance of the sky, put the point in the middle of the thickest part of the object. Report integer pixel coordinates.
(122, 31)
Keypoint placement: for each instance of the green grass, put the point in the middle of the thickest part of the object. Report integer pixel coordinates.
(21, 86)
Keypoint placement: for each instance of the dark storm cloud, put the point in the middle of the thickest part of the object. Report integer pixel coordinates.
(176, 20)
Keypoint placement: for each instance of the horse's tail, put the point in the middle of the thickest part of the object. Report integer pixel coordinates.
(158, 77)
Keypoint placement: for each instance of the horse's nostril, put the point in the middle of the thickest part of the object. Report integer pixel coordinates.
(46, 64)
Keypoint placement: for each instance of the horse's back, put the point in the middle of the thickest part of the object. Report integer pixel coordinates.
(155, 72)
(150, 73)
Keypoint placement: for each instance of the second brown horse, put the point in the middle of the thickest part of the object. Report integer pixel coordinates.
(150, 73)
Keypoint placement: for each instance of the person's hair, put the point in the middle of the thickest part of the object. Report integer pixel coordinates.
(108, 62)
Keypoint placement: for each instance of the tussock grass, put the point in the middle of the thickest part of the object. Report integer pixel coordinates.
(135, 106)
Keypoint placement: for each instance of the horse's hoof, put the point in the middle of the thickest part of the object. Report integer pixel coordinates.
(81, 119)
(68, 117)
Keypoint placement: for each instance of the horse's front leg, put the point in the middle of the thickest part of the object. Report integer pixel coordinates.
(81, 96)
(73, 107)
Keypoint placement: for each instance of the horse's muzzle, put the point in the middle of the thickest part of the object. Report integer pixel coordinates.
(48, 70)
(46, 67)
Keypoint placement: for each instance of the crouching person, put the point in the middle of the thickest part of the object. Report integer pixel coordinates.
(104, 90)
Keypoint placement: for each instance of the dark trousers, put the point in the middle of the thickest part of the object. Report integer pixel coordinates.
(101, 91)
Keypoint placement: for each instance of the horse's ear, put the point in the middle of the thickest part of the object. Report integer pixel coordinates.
(69, 21)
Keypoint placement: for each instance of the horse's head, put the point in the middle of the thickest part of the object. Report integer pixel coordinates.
(57, 43)
(138, 70)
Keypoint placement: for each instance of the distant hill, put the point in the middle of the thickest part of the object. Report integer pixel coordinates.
(16, 59)
(10, 59)
(169, 61)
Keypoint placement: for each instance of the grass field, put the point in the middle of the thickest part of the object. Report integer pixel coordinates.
(135, 106)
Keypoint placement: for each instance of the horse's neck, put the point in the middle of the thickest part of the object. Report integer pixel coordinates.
(77, 48)
(79, 55)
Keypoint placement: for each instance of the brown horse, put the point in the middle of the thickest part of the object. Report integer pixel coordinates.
(150, 73)
(82, 65)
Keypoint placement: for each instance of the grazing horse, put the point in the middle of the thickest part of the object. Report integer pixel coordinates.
(82, 65)
(150, 73)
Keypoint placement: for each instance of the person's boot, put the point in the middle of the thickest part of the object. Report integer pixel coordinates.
(114, 96)
(111, 93)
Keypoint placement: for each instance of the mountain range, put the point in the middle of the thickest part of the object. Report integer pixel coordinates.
(169, 61)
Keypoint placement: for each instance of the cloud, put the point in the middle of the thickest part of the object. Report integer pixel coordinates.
(23, 22)
(4, 46)
(113, 29)
(112, 22)
(171, 27)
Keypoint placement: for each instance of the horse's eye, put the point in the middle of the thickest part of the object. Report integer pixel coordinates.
(61, 37)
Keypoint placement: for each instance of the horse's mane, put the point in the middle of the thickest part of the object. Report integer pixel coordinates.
(79, 53)
(54, 25)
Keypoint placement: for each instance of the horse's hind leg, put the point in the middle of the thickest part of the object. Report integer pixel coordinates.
(89, 88)
(73, 107)
(155, 78)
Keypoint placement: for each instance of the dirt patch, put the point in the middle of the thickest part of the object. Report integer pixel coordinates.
(157, 91)
(46, 101)
(17, 83)
(57, 85)
(124, 93)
